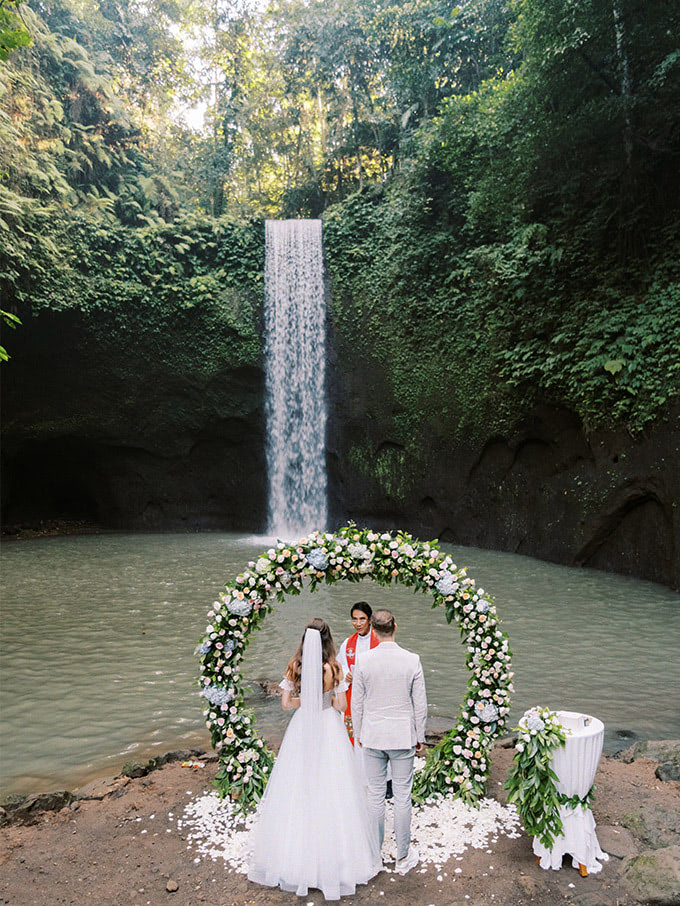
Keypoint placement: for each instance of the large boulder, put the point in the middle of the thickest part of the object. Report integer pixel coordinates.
(657, 749)
(665, 751)
(653, 877)
(29, 808)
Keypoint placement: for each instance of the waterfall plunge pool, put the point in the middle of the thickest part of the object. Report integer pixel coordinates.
(97, 664)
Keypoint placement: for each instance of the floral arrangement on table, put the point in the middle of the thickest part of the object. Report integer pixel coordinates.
(459, 765)
(531, 781)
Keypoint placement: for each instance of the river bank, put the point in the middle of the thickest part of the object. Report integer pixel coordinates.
(51, 528)
(123, 840)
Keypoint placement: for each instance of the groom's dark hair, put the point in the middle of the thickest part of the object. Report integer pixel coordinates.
(383, 622)
(364, 607)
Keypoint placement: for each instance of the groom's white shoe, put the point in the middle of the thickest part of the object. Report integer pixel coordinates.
(409, 861)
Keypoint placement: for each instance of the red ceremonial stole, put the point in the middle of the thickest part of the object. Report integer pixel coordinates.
(351, 652)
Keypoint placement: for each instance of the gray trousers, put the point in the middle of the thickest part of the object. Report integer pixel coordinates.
(401, 762)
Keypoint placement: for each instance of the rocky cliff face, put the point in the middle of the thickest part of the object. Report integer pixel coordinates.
(544, 487)
(118, 434)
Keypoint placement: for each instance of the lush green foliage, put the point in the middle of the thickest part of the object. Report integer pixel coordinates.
(68, 135)
(190, 292)
(409, 294)
(536, 229)
(13, 32)
(75, 162)
(499, 182)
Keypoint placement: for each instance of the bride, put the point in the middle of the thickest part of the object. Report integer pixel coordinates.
(312, 827)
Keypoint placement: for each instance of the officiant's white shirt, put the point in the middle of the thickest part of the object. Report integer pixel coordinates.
(363, 644)
(389, 703)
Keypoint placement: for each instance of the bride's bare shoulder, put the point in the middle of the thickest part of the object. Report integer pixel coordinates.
(328, 678)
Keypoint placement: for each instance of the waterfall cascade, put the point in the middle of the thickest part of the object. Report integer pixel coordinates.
(295, 354)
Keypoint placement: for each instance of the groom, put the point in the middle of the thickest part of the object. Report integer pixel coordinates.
(389, 710)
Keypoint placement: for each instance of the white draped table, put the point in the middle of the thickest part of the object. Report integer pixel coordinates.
(575, 765)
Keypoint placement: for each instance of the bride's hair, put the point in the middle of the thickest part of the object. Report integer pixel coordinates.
(328, 652)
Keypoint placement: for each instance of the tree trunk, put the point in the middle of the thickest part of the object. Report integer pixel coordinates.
(625, 81)
(629, 237)
(355, 127)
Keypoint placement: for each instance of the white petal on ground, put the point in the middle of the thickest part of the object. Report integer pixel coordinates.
(439, 829)
(216, 831)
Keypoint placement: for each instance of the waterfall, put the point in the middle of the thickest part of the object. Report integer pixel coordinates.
(295, 356)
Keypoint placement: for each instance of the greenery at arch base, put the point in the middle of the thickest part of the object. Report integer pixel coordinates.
(532, 783)
(459, 765)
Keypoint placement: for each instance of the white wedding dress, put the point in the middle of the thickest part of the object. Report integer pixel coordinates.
(312, 828)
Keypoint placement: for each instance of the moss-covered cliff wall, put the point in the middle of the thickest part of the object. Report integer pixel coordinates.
(134, 395)
(489, 397)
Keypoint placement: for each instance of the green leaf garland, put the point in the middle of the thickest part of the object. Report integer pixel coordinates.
(531, 782)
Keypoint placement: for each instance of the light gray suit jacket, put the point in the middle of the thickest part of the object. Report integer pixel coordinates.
(389, 704)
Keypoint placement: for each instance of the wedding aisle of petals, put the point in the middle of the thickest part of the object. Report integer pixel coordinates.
(439, 830)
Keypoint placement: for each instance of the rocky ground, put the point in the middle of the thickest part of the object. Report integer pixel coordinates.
(116, 842)
(51, 528)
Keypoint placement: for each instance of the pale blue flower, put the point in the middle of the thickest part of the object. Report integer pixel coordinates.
(239, 607)
(205, 648)
(446, 585)
(534, 723)
(482, 606)
(284, 578)
(318, 559)
(217, 695)
(486, 712)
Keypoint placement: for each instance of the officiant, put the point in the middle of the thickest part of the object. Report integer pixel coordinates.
(363, 640)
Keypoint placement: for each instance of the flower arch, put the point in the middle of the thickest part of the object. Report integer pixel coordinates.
(459, 765)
